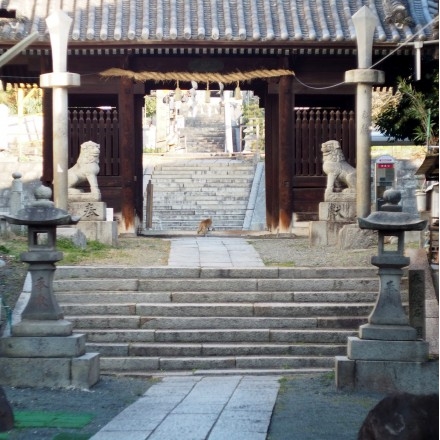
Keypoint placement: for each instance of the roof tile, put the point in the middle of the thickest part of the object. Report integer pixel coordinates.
(271, 21)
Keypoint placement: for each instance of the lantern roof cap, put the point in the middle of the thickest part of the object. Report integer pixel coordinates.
(392, 221)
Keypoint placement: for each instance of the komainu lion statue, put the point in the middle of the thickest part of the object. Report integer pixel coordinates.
(86, 169)
(338, 170)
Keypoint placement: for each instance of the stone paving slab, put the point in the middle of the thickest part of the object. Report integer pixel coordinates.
(198, 408)
(221, 252)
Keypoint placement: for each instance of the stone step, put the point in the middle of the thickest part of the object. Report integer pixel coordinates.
(146, 310)
(201, 199)
(236, 210)
(252, 285)
(177, 225)
(221, 372)
(204, 168)
(161, 319)
(195, 179)
(216, 285)
(186, 188)
(147, 326)
(214, 349)
(256, 309)
(363, 275)
(127, 297)
(197, 216)
(280, 363)
(221, 309)
(203, 193)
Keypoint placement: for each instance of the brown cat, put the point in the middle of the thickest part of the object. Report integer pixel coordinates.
(205, 226)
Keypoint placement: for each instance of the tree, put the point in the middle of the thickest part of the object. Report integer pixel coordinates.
(414, 113)
(150, 106)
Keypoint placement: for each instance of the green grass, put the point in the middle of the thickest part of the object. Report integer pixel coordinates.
(278, 263)
(73, 254)
(13, 248)
(283, 384)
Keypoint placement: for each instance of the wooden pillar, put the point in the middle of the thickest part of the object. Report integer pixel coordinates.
(285, 153)
(138, 154)
(47, 174)
(271, 160)
(127, 156)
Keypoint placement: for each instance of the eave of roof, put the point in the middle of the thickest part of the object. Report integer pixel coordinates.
(214, 22)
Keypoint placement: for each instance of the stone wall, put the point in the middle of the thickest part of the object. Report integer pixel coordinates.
(30, 171)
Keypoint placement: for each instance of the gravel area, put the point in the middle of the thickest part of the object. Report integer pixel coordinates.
(297, 252)
(104, 401)
(308, 407)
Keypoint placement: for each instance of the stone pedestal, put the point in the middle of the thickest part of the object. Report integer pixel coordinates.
(80, 372)
(387, 358)
(93, 223)
(45, 353)
(333, 216)
(387, 376)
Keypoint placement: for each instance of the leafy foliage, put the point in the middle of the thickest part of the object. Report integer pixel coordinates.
(150, 106)
(253, 116)
(28, 102)
(415, 113)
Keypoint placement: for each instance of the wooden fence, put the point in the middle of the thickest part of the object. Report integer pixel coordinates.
(312, 128)
(100, 126)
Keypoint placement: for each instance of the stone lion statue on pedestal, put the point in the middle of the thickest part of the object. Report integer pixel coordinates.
(338, 170)
(86, 169)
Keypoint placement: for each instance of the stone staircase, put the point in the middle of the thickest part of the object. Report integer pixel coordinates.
(204, 132)
(208, 320)
(190, 188)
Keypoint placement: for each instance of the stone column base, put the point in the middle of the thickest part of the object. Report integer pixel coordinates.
(387, 376)
(81, 372)
(102, 231)
(324, 232)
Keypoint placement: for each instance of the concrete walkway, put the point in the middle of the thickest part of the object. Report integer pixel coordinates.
(222, 252)
(198, 408)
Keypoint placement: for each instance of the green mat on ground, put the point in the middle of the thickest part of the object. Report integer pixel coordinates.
(47, 419)
(60, 436)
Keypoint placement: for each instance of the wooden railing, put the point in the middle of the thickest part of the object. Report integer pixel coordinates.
(312, 128)
(100, 126)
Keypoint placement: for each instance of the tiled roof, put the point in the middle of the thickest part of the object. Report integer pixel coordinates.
(193, 21)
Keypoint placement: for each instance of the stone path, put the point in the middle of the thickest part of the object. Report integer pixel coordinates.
(201, 407)
(223, 252)
(198, 408)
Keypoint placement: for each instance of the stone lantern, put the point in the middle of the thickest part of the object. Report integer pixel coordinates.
(42, 350)
(42, 219)
(387, 356)
(390, 222)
